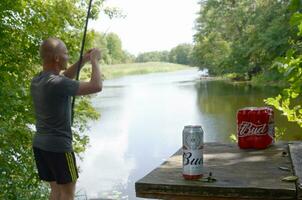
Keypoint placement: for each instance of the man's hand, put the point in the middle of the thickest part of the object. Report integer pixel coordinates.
(95, 55)
(72, 70)
(86, 56)
(95, 84)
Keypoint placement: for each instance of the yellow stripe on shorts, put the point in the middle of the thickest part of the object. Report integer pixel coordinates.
(71, 166)
(74, 166)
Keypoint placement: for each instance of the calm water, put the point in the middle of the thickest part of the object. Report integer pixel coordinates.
(141, 123)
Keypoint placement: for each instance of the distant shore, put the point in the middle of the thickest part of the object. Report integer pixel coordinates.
(119, 70)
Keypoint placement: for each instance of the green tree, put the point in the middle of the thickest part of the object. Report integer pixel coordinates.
(211, 52)
(111, 48)
(289, 101)
(114, 46)
(128, 57)
(181, 54)
(241, 36)
(164, 56)
(152, 56)
(100, 42)
(23, 25)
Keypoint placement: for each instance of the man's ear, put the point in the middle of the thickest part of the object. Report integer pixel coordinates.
(56, 58)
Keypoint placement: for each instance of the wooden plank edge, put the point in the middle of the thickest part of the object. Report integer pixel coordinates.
(295, 149)
(166, 192)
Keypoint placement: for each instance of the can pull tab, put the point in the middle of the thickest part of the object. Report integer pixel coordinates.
(209, 179)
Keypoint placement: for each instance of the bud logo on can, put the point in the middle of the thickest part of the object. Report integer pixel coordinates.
(248, 128)
(192, 152)
(255, 127)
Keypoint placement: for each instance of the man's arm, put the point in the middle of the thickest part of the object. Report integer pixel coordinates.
(95, 84)
(71, 71)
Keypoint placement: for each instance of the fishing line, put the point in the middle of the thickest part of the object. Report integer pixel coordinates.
(81, 58)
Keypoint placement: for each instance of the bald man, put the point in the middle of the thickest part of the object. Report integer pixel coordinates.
(51, 92)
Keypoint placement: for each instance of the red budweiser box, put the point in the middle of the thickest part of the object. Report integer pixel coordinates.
(255, 127)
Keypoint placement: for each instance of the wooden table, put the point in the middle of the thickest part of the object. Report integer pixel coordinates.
(239, 174)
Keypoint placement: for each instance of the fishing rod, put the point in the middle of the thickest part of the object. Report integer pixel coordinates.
(81, 58)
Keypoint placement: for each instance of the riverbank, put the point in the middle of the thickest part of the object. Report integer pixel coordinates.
(118, 70)
(261, 79)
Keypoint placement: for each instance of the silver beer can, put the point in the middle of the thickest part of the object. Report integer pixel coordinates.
(192, 137)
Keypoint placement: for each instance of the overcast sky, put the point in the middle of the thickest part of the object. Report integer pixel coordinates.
(151, 25)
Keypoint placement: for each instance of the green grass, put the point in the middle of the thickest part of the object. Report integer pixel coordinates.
(118, 70)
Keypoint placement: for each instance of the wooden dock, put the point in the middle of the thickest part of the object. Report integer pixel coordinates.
(239, 174)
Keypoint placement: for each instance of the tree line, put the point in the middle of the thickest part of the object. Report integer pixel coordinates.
(255, 40)
(111, 48)
(181, 54)
(113, 53)
(242, 37)
(290, 66)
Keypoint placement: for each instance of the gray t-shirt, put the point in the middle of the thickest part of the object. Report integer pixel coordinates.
(52, 96)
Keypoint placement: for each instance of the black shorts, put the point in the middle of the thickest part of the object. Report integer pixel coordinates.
(53, 166)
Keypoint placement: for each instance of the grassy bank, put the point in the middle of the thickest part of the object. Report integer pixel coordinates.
(261, 79)
(118, 70)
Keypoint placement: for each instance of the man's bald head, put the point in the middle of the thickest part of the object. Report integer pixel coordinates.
(54, 54)
(50, 48)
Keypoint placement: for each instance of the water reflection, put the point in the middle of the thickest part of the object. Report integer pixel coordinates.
(219, 101)
(142, 119)
(106, 167)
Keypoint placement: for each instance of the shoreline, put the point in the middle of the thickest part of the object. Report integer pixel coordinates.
(119, 70)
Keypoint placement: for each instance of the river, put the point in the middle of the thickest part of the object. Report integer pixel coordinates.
(142, 118)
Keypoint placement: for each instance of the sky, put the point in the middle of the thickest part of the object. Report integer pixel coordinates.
(150, 25)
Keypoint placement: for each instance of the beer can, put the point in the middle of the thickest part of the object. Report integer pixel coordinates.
(255, 127)
(192, 137)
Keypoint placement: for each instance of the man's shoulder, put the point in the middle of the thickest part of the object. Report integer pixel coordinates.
(55, 82)
(42, 75)
(58, 79)
(49, 77)
(45, 79)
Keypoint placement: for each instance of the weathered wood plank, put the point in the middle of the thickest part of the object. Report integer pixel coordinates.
(296, 157)
(240, 174)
